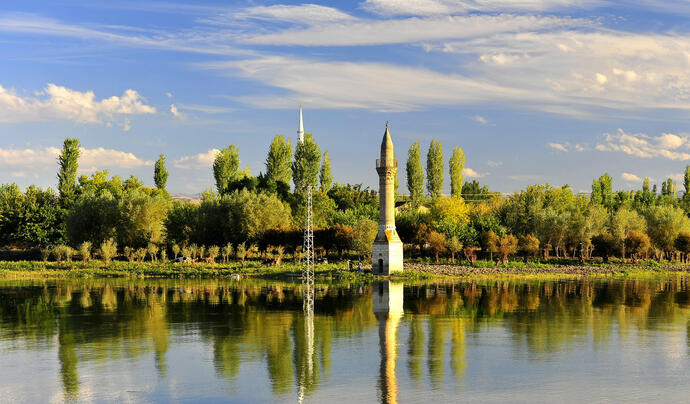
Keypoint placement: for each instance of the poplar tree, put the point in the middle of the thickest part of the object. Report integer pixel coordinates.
(160, 173)
(279, 159)
(225, 168)
(434, 169)
(67, 175)
(602, 193)
(305, 167)
(325, 177)
(457, 164)
(415, 174)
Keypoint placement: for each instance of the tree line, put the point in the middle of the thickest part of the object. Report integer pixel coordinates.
(254, 215)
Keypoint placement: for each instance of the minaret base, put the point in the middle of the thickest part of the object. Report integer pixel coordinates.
(387, 255)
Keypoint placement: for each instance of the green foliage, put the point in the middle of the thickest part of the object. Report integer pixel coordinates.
(305, 167)
(472, 191)
(602, 191)
(108, 250)
(415, 174)
(67, 174)
(160, 173)
(363, 235)
(664, 223)
(325, 177)
(278, 160)
(85, 251)
(528, 245)
(33, 218)
(225, 168)
(456, 165)
(434, 169)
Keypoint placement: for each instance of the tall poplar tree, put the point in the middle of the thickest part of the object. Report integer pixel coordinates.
(305, 167)
(225, 168)
(160, 173)
(67, 175)
(279, 159)
(602, 193)
(457, 164)
(434, 169)
(325, 177)
(415, 174)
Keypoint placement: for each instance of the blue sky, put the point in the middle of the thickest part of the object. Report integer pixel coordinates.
(536, 91)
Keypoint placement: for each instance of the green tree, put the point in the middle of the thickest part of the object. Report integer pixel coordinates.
(160, 173)
(363, 235)
(305, 167)
(664, 223)
(325, 177)
(67, 175)
(457, 164)
(434, 169)
(278, 161)
(225, 168)
(415, 174)
(602, 193)
(686, 181)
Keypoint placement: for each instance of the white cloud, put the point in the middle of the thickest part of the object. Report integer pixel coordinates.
(359, 85)
(440, 7)
(201, 160)
(38, 159)
(480, 119)
(301, 14)
(177, 113)
(558, 147)
(169, 94)
(57, 102)
(630, 177)
(642, 145)
(470, 173)
(411, 30)
(492, 163)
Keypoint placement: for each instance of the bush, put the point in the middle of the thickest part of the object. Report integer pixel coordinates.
(85, 251)
(637, 244)
(108, 250)
(507, 246)
(529, 245)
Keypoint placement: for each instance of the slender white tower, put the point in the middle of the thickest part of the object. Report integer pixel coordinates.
(300, 131)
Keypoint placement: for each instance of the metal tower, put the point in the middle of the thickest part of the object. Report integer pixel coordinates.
(308, 245)
(307, 372)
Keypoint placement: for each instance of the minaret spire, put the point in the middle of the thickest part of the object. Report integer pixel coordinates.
(300, 130)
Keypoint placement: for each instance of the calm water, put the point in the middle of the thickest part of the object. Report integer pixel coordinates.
(218, 341)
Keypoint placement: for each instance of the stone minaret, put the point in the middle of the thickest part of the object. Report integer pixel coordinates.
(300, 131)
(387, 253)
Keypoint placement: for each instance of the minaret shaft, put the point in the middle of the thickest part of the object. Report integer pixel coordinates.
(387, 252)
(300, 129)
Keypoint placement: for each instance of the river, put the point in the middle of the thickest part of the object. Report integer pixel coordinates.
(119, 340)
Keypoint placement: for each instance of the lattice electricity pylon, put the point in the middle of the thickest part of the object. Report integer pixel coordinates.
(308, 245)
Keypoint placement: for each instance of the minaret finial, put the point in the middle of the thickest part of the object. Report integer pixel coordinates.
(300, 129)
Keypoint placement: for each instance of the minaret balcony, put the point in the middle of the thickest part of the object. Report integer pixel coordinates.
(382, 163)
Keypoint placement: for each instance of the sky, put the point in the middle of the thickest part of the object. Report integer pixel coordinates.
(533, 91)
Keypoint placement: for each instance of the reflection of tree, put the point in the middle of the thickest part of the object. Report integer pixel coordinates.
(261, 321)
(415, 353)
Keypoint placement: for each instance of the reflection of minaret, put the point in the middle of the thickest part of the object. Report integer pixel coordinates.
(387, 252)
(388, 308)
(300, 131)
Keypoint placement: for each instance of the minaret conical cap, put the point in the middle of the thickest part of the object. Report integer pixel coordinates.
(387, 146)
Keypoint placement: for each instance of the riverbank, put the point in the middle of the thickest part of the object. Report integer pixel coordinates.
(329, 272)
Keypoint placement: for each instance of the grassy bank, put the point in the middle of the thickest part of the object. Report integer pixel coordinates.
(335, 271)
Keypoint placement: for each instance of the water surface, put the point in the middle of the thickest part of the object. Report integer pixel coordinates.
(251, 341)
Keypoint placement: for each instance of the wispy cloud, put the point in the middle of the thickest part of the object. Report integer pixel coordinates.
(492, 163)
(300, 14)
(445, 7)
(470, 173)
(480, 119)
(177, 113)
(411, 30)
(666, 145)
(558, 147)
(58, 102)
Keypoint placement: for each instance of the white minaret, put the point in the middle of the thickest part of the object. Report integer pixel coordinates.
(300, 131)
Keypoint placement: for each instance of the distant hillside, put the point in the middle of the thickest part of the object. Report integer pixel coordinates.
(185, 197)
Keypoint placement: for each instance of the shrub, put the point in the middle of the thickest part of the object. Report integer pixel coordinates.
(227, 252)
(213, 252)
(529, 245)
(108, 250)
(637, 244)
(85, 251)
(682, 244)
(175, 250)
(507, 245)
(437, 243)
(152, 250)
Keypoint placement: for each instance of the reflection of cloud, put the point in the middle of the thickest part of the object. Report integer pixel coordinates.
(666, 145)
(201, 160)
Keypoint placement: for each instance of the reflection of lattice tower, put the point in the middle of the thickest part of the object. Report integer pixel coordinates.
(306, 377)
(308, 245)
